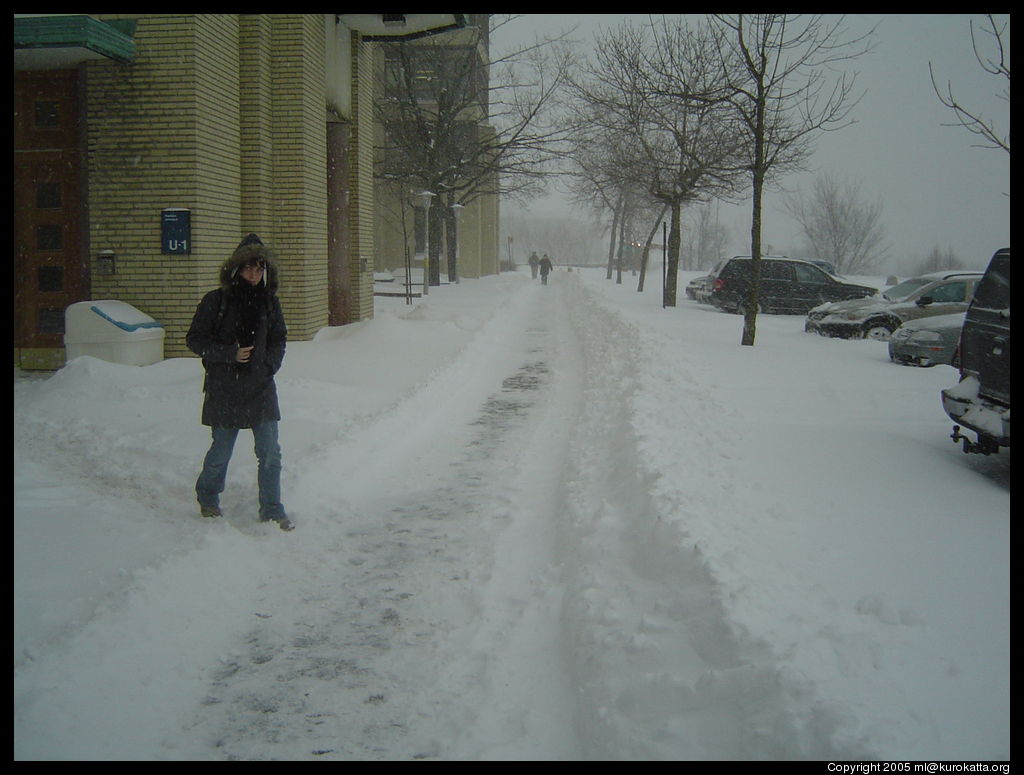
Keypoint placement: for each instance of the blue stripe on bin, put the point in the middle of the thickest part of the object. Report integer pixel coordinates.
(127, 326)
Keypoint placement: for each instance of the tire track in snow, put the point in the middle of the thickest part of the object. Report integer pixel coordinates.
(525, 708)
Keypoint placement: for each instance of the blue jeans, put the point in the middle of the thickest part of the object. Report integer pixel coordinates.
(215, 468)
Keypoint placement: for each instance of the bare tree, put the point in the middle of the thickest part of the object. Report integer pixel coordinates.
(839, 225)
(461, 125)
(998, 64)
(938, 260)
(708, 238)
(659, 88)
(781, 68)
(596, 176)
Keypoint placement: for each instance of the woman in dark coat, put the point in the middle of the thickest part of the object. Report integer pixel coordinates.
(239, 332)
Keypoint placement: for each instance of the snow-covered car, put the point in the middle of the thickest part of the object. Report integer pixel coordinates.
(981, 402)
(876, 317)
(926, 341)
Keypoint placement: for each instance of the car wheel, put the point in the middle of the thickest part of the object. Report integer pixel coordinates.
(880, 331)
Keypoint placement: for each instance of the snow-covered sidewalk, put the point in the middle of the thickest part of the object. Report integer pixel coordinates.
(533, 523)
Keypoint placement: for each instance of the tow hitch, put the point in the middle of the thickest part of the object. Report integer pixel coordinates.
(984, 445)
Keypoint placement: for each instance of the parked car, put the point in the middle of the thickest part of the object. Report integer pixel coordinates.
(926, 341)
(981, 402)
(788, 285)
(938, 293)
(696, 289)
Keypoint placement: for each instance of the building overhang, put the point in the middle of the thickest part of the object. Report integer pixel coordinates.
(60, 41)
(401, 26)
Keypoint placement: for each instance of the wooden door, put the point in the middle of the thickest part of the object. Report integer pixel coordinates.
(50, 258)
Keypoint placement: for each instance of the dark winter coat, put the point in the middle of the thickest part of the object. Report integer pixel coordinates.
(240, 395)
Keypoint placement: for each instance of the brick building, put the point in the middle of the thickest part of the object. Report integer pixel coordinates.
(247, 122)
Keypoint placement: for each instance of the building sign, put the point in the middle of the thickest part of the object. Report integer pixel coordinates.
(176, 230)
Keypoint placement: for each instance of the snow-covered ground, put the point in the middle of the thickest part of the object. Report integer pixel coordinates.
(533, 523)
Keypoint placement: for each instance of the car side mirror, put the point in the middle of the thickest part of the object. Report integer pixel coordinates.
(924, 301)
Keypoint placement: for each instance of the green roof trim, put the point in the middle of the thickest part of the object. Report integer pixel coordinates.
(76, 31)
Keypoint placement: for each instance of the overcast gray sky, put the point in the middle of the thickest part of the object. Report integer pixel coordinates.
(937, 188)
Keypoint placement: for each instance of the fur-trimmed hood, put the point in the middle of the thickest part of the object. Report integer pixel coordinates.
(250, 248)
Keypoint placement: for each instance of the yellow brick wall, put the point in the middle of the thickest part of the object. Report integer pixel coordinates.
(361, 186)
(157, 135)
(256, 103)
(223, 114)
(216, 218)
(299, 189)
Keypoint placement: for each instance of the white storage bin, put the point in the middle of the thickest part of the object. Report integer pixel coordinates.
(112, 331)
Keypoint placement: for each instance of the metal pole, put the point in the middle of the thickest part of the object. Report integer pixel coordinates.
(664, 263)
(408, 275)
(457, 210)
(425, 198)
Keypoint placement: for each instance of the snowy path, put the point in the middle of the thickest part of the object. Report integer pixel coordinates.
(372, 658)
(503, 587)
(497, 590)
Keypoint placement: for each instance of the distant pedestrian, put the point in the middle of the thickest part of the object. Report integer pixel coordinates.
(239, 332)
(534, 263)
(545, 269)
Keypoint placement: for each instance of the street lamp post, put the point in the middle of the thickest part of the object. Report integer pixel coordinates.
(425, 199)
(453, 267)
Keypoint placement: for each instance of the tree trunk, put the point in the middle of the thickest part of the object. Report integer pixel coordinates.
(624, 228)
(611, 242)
(750, 313)
(647, 249)
(753, 297)
(436, 218)
(673, 256)
(451, 242)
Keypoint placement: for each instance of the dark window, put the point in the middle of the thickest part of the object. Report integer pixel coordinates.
(51, 320)
(420, 229)
(48, 196)
(49, 237)
(436, 73)
(47, 115)
(949, 292)
(994, 289)
(809, 274)
(51, 279)
(776, 270)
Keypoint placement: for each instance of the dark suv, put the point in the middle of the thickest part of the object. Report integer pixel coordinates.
(981, 401)
(788, 285)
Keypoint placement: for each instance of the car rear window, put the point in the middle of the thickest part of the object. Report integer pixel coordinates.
(994, 289)
(905, 288)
